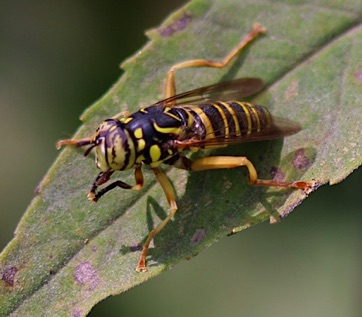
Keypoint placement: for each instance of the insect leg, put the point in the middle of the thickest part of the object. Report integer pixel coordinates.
(170, 87)
(103, 177)
(170, 195)
(221, 162)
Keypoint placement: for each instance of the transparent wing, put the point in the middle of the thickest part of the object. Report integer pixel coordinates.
(228, 90)
(278, 128)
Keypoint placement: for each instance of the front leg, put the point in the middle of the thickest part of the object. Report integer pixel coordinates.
(170, 195)
(104, 177)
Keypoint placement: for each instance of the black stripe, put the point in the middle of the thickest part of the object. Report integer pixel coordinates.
(253, 117)
(229, 118)
(263, 115)
(242, 117)
(215, 118)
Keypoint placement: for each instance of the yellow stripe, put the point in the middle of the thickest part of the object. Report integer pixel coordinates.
(209, 133)
(223, 116)
(167, 130)
(247, 113)
(126, 120)
(257, 118)
(269, 117)
(235, 118)
(167, 109)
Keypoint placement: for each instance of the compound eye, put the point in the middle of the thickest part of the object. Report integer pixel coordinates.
(101, 154)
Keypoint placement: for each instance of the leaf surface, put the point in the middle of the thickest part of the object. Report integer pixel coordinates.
(68, 254)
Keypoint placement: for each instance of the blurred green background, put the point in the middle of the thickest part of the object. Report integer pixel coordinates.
(56, 58)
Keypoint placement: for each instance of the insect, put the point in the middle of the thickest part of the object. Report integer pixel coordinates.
(192, 120)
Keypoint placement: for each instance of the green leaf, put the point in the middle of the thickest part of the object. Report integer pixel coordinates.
(69, 254)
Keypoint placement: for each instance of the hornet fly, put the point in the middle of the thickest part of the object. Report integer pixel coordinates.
(203, 118)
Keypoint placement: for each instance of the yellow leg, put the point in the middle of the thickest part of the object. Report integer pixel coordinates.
(170, 87)
(221, 162)
(170, 195)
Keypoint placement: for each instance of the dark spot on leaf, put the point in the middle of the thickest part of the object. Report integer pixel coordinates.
(86, 274)
(261, 158)
(276, 173)
(176, 26)
(300, 160)
(37, 190)
(198, 236)
(135, 248)
(9, 275)
(77, 312)
(358, 76)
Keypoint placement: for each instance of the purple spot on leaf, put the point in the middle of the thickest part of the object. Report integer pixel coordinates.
(77, 312)
(358, 76)
(277, 174)
(198, 236)
(86, 274)
(300, 160)
(135, 248)
(176, 26)
(9, 275)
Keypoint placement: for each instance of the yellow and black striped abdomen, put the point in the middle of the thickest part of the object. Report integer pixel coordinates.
(232, 119)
